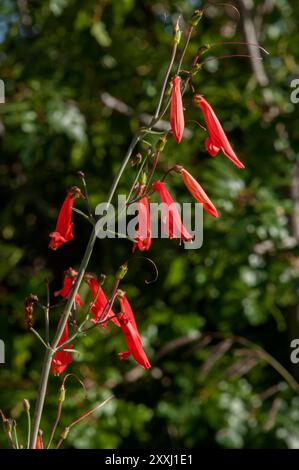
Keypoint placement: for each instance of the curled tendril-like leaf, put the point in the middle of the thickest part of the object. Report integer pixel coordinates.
(149, 260)
(78, 380)
(221, 4)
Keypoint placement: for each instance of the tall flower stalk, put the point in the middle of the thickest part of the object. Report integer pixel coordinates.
(51, 350)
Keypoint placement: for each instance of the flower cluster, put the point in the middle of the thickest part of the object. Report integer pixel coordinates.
(102, 313)
(100, 308)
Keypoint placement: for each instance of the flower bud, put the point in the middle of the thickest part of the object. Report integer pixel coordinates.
(143, 179)
(161, 143)
(122, 271)
(65, 433)
(196, 17)
(177, 33)
(61, 396)
(26, 405)
(203, 49)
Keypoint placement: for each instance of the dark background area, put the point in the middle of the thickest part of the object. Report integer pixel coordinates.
(59, 59)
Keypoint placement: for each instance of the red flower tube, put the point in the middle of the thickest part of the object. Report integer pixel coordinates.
(217, 139)
(62, 359)
(68, 282)
(143, 232)
(177, 121)
(64, 227)
(131, 334)
(100, 301)
(197, 191)
(172, 223)
(39, 441)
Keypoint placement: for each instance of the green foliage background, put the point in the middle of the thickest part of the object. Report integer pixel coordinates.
(57, 57)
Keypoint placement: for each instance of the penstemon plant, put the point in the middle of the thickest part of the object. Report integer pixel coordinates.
(115, 308)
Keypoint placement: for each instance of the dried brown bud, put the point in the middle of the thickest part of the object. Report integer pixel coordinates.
(178, 168)
(76, 192)
(137, 159)
(29, 302)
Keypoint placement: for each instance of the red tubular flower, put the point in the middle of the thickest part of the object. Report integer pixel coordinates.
(39, 441)
(217, 139)
(172, 223)
(131, 334)
(197, 192)
(62, 359)
(64, 227)
(177, 121)
(68, 282)
(100, 301)
(143, 232)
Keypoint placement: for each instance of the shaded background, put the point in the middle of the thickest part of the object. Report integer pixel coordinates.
(62, 62)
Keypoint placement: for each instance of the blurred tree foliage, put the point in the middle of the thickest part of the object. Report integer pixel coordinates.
(58, 58)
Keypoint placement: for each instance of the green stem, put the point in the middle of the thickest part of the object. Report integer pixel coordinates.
(29, 427)
(170, 65)
(47, 309)
(58, 416)
(16, 435)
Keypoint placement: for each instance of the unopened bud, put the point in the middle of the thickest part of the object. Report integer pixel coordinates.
(8, 424)
(177, 33)
(26, 405)
(197, 68)
(196, 17)
(65, 433)
(161, 143)
(122, 271)
(61, 396)
(143, 178)
(203, 49)
(120, 294)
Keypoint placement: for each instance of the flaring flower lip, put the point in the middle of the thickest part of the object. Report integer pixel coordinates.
(64, 228)
(177, 121)
(68, 282)
(217, 139)
(62, 359)
(100, 302)
(130, 331)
